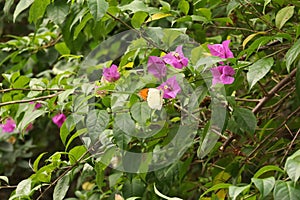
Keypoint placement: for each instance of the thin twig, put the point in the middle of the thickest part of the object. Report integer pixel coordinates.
(30, 100)
(8, 186)
(247, 100)
(267, 140)
(290, 146)
(270, 94)
(28, 89)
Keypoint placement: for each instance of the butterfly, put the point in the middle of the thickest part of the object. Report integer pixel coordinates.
(153, 96)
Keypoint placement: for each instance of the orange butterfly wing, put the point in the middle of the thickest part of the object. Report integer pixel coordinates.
(144, 93)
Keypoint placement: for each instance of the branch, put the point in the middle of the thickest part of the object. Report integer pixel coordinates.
(28, 89)
(270, 94)
(30, 100)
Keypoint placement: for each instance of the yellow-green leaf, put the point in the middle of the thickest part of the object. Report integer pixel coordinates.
(283, 16)
(157, 16)
(250, 37)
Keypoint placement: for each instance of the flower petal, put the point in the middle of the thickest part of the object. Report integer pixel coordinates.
(157, 67)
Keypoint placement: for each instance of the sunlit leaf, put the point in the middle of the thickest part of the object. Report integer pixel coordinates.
(258, 70)
(286, 191)
(235, 191)
(157, 16)
(22, 5)
(292, 166)
(37, 10)
(283, 16)
(98, 8)
(24, 187)
(292, 54)
(138, 19)
(264, 186)
(62, 187)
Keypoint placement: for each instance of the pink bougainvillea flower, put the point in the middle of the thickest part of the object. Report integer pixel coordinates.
(222, 74)
(157, 67)
(37, 105)
(9, 126)
(176, 58)
(170, 88)
(59, 119)
(221, 50)
(111, 74)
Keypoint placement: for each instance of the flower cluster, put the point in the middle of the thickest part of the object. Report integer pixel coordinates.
(224, 73)
(9, 126)
(111, 74)
(157, 67)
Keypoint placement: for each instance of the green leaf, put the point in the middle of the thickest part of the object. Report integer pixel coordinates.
(184, 6)
(57, 12)
(265, 5)
(62, 48)
(292, 166)
(292, 54)
(29, 117)
(76, 153)
(138, 19)
(286, 191)
(140, 111)
(206, 12)
(264, 186)
(7, 6)
(37, 10)
(44, 173)
(298, 81)
(216, 187)
(98, 8)
(36, 162)
(4, 178)
(235, 191)
(81, 25)
(136, 6)
(22, 5)
(266, 169)
(245, 119)
(24, 187)
(96, 122)
(283, 16)
(258, 70)
(125, 123)
(62, 187)
(133, 188)
(75, 135)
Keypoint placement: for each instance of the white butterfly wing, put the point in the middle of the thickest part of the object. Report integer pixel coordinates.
(155, 98)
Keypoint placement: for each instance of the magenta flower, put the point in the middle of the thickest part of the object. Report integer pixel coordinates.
(37, 105)
(221, 50)
(9, 126)
(176, 58)
(222, 74)
(170, 88)
(157, 67)
(59, 119)
(111, 74)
